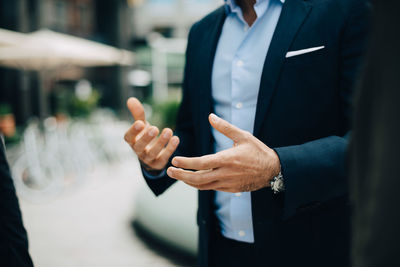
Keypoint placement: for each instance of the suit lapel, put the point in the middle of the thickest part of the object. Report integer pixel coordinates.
(294, 12)
(208, 47)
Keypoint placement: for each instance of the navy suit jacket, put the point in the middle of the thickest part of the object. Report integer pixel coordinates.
(303, 112)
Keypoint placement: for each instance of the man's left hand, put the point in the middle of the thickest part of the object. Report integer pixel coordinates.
(248, 166)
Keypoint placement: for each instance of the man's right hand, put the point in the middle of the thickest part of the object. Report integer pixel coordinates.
(153, 152)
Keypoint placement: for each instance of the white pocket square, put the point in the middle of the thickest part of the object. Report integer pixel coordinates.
(303, 51)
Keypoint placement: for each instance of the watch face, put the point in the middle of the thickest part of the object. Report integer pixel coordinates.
(277, 184)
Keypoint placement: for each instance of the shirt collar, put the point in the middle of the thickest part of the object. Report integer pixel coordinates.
(231, 6)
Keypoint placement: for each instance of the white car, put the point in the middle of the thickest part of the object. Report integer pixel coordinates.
(170, 217)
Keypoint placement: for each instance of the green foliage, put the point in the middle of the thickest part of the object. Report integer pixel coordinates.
(83, 108)
(13, 139)
(62, 100)
(164, 114)
(65, 101)
(5, 109)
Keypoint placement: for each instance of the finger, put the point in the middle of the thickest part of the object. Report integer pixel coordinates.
(151, 143)
(135, 129)
(210, 186)
(166, 154)
(227, 129)
(193, 177)
(200, 163)
(136, 109)
(160, 143)
(140, 144)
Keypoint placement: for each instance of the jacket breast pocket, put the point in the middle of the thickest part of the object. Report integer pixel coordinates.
(307, 58)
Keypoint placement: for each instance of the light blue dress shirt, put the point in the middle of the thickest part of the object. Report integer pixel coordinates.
(236, 77)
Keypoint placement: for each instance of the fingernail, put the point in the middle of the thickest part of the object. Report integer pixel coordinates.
(169, 172)
(175, 141)
(166, 135)
(175, 162)
(213, 117)
(153, 132)
(138, 126)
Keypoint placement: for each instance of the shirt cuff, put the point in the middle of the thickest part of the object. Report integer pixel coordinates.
(152, 176)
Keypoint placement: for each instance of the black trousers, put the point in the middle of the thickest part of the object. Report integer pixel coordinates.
(228, 252)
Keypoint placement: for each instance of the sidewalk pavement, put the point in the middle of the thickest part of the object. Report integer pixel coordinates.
(91, 225)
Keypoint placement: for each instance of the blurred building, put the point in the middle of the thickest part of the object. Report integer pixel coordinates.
(108, 22)
(172, 18)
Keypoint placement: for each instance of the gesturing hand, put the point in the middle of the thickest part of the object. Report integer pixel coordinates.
(153, 152)
(248, 166)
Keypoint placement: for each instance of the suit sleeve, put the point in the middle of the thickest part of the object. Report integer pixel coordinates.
(184, 128)
(315, 172)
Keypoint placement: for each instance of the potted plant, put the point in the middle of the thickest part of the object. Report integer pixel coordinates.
(7, 120)
(164, 114)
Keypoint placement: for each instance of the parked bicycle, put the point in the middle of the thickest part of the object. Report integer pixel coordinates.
(56, 155)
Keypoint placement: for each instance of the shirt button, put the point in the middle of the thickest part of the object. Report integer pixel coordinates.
(238, 194)
(239, 105)
(245, 28)
(239, 63)
(242, 233)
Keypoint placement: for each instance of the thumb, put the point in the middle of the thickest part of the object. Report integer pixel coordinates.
(227, 129)
(136, 109)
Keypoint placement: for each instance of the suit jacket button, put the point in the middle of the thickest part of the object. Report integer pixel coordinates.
(203, 222)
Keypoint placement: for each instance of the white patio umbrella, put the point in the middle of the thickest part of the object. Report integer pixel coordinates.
(48, 50)
(50, 53)
(8, 38)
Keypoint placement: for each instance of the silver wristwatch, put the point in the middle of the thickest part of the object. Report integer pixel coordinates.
(277, 184)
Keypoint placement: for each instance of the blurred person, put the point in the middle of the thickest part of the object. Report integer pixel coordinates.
(270, 161)
(13, 237)
(375, 146)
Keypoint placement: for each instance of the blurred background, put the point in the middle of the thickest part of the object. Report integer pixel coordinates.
(66, 70)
